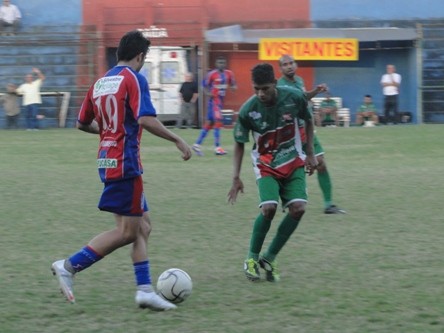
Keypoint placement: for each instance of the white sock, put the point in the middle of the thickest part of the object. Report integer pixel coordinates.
(148, 288)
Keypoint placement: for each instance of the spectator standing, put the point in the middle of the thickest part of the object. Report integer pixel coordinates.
(188, 97)
(367, 111)
(215, 86)
(11, 106)
(30, 90)
(10, 17)
(391, 81)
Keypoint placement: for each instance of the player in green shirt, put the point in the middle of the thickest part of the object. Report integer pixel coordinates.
(288, 67)
(367, 111)
(271, 115)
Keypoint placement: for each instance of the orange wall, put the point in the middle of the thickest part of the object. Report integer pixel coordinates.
(239, 12)
(186, 22)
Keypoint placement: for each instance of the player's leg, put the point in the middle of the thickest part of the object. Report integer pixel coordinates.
(218, 124)
(205, 129)
(146, 297)
(122, 198)
(218, 150)
(269, 198)
(294, 197)
(324, 180)
(359, 119)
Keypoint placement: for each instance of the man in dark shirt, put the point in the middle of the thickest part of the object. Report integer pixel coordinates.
(188, 95)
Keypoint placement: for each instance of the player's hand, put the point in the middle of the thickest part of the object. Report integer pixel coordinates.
(311, 163)
(321, 88)
(237, 187)
(185, 149)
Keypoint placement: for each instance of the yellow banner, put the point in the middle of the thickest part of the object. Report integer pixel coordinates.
(341, 49)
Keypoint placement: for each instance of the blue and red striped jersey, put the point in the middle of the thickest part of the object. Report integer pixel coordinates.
(218, 81)
(116, 101)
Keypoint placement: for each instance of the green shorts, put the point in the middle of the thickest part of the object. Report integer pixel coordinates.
(318, 150)
(288, 190)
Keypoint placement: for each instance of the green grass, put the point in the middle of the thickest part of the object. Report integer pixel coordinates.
(379, 268)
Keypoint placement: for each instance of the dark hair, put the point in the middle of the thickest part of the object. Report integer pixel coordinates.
(132, 44)
(263, 74)
(369, 96)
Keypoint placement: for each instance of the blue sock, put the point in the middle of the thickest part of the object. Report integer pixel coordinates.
(216, 137)
(203, 133)
(84, 258)
(142, 273)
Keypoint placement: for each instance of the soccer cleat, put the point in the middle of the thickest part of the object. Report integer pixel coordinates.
(219, 151)
(251, 269)
(152, 301)
(197, 149)
(270, 267)
(65, 279)
(333, 209)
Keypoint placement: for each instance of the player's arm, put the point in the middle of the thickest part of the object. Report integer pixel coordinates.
(233, 84)
(237, 186)
(319, 89)
(311, 161)
(207, 84)
(93, 127)
(154, 126)
(85, 119)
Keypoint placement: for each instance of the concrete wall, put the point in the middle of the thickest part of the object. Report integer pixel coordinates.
(49, 12)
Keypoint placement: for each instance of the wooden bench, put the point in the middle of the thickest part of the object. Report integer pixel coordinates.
(343, 114)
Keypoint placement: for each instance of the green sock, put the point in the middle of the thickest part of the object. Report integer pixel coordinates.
(326, 187)
(260, 229)
(286, 228)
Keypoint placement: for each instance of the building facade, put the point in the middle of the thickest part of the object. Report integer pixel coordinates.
(409, 35)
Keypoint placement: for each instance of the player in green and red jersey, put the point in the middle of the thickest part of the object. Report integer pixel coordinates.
(272, 115)
(288, 67)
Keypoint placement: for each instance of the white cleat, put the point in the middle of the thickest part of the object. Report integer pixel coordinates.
(197, 149)
(153, 301)
(65, 279)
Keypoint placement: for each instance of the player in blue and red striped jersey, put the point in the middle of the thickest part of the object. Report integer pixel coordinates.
(215, 85)
(118, 107)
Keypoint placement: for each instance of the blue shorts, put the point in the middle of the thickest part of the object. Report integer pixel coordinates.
(124, 197)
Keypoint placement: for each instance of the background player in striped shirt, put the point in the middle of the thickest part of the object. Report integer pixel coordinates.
(118, 107)
(215, 86)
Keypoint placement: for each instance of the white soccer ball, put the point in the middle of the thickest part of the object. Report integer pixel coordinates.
(174, 285)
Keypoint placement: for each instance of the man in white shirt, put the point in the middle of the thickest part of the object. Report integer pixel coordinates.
(30, 90)
(9, 17)
(391, 81)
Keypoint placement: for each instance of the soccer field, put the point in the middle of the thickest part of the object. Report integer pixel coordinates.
(379, 268)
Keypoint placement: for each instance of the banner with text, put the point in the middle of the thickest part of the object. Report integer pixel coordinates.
(340, 49)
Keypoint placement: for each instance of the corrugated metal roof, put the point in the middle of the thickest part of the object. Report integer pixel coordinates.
(236, 34)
